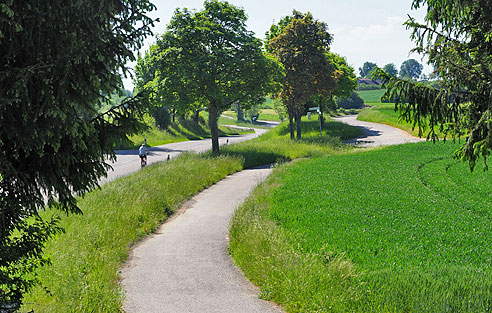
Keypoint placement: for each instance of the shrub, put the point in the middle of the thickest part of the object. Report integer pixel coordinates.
(352, 102)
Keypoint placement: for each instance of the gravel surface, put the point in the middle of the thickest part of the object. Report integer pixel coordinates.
(185, 268)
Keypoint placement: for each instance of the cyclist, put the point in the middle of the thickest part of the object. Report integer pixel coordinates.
(142, 153)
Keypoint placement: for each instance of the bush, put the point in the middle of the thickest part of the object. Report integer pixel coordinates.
(352, 102)
(162, 117)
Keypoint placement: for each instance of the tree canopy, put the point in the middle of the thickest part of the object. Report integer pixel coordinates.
(411, 69)
(367, 69)
(300, 47)
(390, 68)
(58, 59)
(208, 59)
(456, 36)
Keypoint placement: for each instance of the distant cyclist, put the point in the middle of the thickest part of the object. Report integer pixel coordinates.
(142, 153)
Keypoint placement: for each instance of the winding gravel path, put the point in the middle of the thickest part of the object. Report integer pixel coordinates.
(376, 134)
(185, 268)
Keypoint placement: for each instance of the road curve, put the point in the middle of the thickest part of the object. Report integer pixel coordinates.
(128, 161)
(376, 134)
(185, 268)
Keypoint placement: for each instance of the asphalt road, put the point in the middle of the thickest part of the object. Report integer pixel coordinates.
(376, 134)
(128, 161)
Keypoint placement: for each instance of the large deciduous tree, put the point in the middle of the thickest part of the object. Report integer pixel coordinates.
(208, 58)
(411, 69)
(57, 61)
(391, 70)
(456, 36)
(367, 69)
(300, 46)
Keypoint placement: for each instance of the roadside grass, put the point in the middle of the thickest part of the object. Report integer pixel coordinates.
(371, 96)
(397, 229)
(85, 276)
(265, 115)
(181, 130)
(276, 146)
(384, 113)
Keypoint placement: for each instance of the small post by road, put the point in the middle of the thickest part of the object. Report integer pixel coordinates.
(319, 114)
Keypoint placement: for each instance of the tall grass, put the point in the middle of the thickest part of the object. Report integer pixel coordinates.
(276, 145)
(399, 229)
(84, 275)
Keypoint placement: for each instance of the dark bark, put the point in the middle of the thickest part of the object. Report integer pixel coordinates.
(240, 115)
(298, 124)
(196, 116)
(291, 125)
(214, 129)
(322, 118)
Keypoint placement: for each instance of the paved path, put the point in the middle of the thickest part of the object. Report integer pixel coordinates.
(185, 268)
(128, 160)
(376, 134)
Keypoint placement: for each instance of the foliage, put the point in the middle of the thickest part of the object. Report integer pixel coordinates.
(410, 69)
(162, 117)
(354, 101)
(378, 236)
(209, 58)
(390, 69)
(367, 69)
(57, 58)
(300, 47)
(346, 78)
(280, 108)
(85, 275)
(456, 38)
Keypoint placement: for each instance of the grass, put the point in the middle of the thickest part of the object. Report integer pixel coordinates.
(400, 229)
(384, 113)
(276, 146)
(371, 96)
(265, 115)
(181, 130)
(84, 276)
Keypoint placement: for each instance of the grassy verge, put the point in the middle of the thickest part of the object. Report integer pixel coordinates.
(276, 146)
(265, 115)
(183, 130)
(399, 229)
(84, 275)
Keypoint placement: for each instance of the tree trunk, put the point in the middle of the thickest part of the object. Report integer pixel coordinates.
(298, 124)
(214, 129)
(196, 117)
(322, 118)
(174, 115)
(239, 112)
(291, 125)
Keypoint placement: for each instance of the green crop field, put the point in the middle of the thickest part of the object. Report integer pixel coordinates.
(371, 96)
(400, 229)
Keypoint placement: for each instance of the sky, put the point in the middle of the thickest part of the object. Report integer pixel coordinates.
(362, 30)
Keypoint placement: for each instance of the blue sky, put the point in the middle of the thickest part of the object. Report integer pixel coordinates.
(363, 30)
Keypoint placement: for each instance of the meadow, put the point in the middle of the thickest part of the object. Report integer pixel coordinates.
(371, 96)
(398, 229)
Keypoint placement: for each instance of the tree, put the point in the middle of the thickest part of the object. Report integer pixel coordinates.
(300, 47)
(57, 59)
(390, 68)
(456, 38)
(353, 101)
(411, 69)
(367, 69)
(209, 59)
